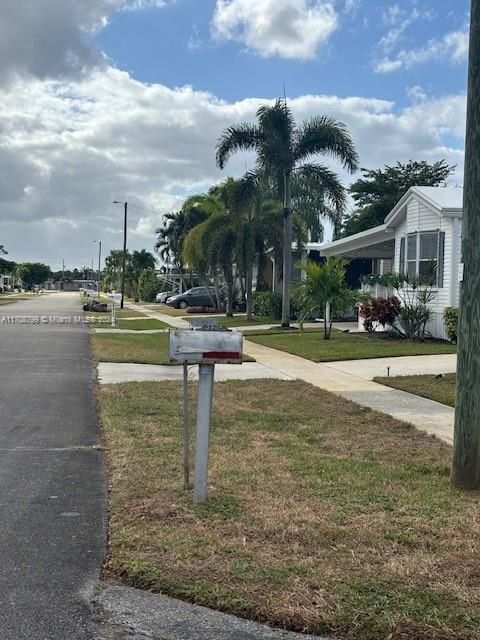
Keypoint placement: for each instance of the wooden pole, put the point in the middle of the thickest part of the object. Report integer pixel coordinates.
(466, 442)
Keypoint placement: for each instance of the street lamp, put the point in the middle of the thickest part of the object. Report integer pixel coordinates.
(99, 242)
(124, 260)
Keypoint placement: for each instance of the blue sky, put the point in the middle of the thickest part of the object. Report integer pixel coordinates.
(173, 45)
(125, 99)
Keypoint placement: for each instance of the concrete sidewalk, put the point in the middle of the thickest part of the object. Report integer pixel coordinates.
(429, 416)
(115, 372)
(179, 322)
(398, 366)
(123, 612)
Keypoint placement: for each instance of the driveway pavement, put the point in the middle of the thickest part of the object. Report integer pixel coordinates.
(53, 496)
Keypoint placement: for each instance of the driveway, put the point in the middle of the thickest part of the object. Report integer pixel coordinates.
(52, 477)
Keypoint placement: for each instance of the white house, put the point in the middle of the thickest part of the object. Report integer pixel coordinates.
(425, 225)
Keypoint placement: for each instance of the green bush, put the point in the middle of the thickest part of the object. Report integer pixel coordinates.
(450, 317)
(148, 285)
(267, 303)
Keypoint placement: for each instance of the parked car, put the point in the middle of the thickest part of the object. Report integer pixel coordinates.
(164, 295)
(196, 297)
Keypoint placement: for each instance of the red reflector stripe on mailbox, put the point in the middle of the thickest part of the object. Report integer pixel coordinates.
(221, 355)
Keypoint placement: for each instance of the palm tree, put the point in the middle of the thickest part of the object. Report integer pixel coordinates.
(283, 148)
(210, 245)
(139, 262)
(258, 218)
(324, 286)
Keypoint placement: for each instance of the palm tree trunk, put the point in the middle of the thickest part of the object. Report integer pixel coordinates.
(228, 274)
(287, 250)
(217, 290)
(248, 292)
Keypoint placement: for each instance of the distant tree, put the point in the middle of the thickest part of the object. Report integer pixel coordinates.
(138, 263)
(33, 273)
(379, 191)
(112, 273)
(7, 266)
(148, 284)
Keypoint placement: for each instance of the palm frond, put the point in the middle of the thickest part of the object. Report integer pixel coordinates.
(325, 135)
(278, 132)
(315, 186)
(241, 137)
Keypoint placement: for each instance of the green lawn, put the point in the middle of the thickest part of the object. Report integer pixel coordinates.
(128, 313)
(144, 348)
(326, 517)
(428, 386)
(140, 324)
(239, 321)
(169, 311)
(344, 346)
(150, 348)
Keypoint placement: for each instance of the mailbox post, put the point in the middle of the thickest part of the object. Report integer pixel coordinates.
(204, 414)
(205, 348)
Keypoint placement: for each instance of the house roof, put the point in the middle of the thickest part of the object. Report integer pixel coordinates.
(441, 199)
(358, 241)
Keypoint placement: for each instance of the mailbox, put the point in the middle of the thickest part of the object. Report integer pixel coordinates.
(187, 346)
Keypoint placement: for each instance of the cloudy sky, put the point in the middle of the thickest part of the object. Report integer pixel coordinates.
(107, 100)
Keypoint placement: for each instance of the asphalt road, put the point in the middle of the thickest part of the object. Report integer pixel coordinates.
(52, 477)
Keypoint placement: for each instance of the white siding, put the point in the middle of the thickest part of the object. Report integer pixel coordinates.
(456, 259)
(400, 232)
(419, 217)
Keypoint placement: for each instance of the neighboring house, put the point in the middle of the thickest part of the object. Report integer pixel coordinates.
(425, 225)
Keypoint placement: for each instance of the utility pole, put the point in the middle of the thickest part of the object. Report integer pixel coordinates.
(63, 273)
(124, 258)
(466, 441)
(99, 242)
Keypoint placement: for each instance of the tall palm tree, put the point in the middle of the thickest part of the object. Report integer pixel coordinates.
(210, 245)
(257, 219)
(283, 148)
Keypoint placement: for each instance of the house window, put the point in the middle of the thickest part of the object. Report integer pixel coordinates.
(424, 251)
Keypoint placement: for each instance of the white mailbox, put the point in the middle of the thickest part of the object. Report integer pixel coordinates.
(205, 347)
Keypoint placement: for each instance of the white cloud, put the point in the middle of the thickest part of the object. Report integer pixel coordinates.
(284, 28)
(351, 6)
(452, 47)
(51, 38)
(69, 148)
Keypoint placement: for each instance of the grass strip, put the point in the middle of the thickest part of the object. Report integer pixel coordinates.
(326, 517)
(441, 389)
(345, 346)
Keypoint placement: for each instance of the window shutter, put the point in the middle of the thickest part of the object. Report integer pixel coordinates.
(441, 260)
(402, 255)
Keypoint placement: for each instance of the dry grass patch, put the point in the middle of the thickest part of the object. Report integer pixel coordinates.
(327, 517)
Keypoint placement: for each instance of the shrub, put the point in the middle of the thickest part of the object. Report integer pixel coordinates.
(148, 285)
(450, 317)
(267, 303)
(379, 312)
(415, 295)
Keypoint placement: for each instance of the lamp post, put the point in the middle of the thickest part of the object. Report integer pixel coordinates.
(99, 242)
(124, 259)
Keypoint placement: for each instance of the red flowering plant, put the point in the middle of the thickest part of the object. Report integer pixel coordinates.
(379, 312)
